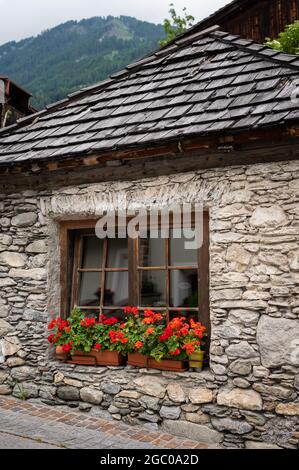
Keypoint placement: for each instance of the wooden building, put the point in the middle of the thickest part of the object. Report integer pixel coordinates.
(14, 102)
(253, 19)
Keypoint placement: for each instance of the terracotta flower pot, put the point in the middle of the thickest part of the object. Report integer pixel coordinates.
(196, 359)
(60, 354)
(137, 359)
(98, 358)
(168, 364)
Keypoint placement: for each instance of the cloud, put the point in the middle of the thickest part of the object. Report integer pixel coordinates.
(23, 18)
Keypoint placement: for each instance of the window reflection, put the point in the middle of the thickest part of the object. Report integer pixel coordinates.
(92, 250)
(152, 252)
(116, 289)
(184, 288)
(117, 253)
(153, 285)
(90, 292)
(180, 254)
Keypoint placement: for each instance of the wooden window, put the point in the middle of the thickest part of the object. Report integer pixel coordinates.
(160, 274)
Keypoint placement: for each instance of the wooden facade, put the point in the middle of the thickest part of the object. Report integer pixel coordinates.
(254, 19)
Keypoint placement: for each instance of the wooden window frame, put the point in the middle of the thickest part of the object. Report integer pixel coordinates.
(69, 230)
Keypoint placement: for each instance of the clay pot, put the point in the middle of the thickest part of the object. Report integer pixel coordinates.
(196, 359)
(138, 360)
(98, 358)
(60, 354)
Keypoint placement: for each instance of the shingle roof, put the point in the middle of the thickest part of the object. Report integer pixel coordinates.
(207, 83)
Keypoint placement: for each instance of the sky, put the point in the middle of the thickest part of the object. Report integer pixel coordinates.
(23, 18)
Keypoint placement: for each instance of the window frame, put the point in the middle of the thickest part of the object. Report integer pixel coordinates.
(69, 231)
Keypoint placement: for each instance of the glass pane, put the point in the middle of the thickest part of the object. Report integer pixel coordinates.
(116, 289)
(180, 253)
(92, 253)
(152, 252)
(109, 312)
(184, 288)
(90, 291)
(152, 284)
(117, 253)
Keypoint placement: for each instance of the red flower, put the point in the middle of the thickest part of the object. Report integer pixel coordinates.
(150, 330)
(111, 321)
(138, 344)
(67, 330)
(97, 346)
(124, 340)
(168, 332)
(67, 346)
(176, 352)
(131, 310)
(52, 339)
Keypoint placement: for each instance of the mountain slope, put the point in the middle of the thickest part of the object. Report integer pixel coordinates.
(76, 54)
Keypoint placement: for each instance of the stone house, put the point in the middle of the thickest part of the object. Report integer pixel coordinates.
(213, 119)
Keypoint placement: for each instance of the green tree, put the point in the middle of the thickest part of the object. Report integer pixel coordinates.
(287, 41)
(176, 25)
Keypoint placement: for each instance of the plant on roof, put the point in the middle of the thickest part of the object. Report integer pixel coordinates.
(287, 41)
(176, 25)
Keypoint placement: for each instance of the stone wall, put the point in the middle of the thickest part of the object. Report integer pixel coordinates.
(249, 395)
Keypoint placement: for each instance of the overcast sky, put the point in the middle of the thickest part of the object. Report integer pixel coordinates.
(23, 18)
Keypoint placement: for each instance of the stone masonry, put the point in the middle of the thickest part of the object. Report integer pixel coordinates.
(249, 395)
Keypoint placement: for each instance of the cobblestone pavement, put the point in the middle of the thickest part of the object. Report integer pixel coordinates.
(26, 424)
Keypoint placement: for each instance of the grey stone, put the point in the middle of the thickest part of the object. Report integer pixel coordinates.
(260, 445)
(25, 219)
(39, 246)
(90, 395)
(148, 417)
(68, 393)
(200, 395)
(231, 425)
(37, 274)
(110, 388)
(198, 418)
(240, 367)
(170, 412)
(25, 390)
(5, 389)
(241, 350)
(296, 382)
(23, 373)
(15, 361)
(5, 327)
(245, 317)
(152, 386)
(9, 346)
(150, 403)
(197, 432)
(176, 393)
(273, 216)
(278, 341)
(14, 260)
(240, 398)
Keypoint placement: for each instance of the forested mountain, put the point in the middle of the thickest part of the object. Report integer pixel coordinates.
(75, 54)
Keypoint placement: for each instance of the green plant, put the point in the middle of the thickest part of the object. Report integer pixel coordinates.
(176, 25)
(22, 393)
(287, 41)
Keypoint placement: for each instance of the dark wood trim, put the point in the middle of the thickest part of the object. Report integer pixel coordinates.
(204, 279)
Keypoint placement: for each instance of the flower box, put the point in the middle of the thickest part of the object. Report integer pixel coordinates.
(168, 364)
(196, 359)
(137, 359)
(60, 354)
(97, 358)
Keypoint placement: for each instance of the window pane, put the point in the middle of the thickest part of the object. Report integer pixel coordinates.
(153, 285)
(92, 252)
(184, 288)
(180, 254)
(117, 253)
(116, 289)
(89, 291)
(152, 252)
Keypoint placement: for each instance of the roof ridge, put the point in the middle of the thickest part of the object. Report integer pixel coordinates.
(102, 85)
(257, 49)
